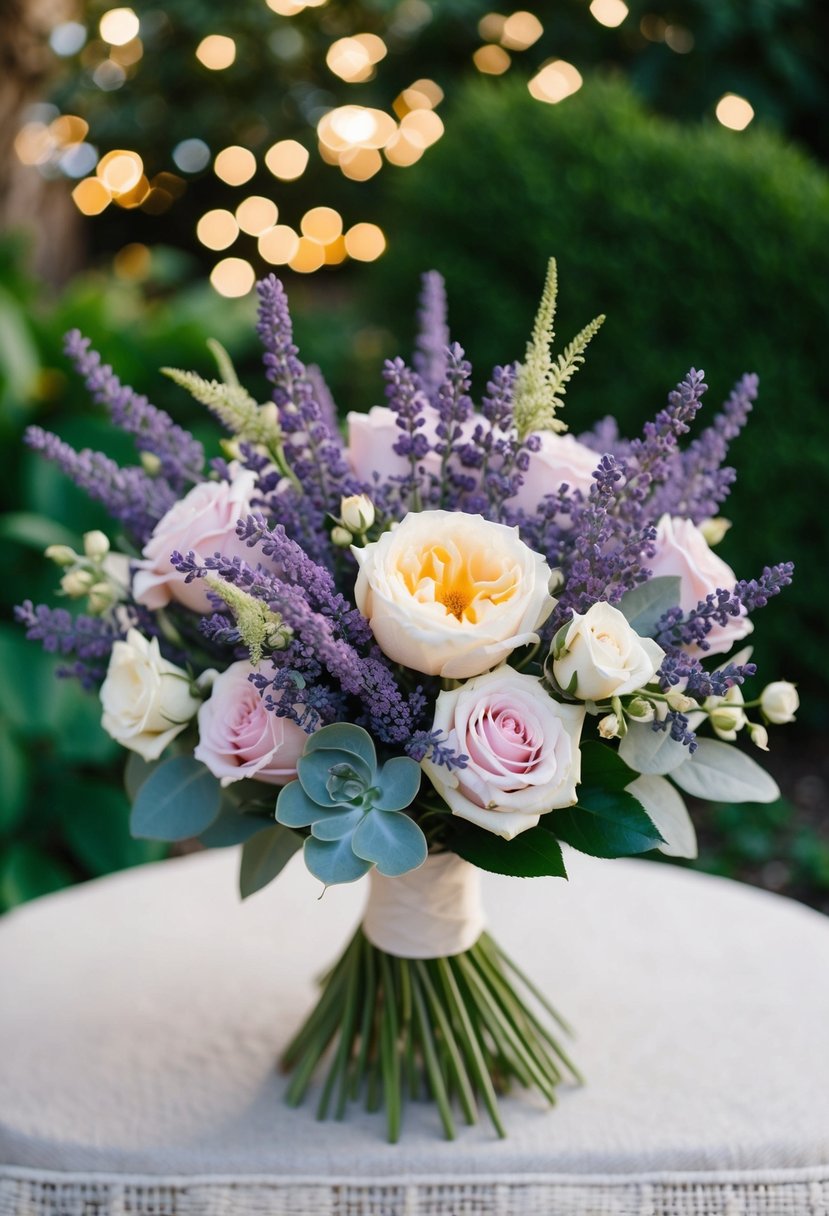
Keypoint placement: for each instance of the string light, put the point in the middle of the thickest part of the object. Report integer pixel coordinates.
(353, 59)
(191, 155)
(309, 256)
(322, 224)
(233, 277)
(120, 171)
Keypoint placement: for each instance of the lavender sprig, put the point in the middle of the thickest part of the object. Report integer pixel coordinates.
(181, 456)
(454, 407)
(408, 402)
(691, 629)
(678, 667)
(88, 638)
(433, 333)
(433, 745)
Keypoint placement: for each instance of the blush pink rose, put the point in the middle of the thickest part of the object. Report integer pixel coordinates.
(239, 737)
(681, 549)
(371, 440)
(561, 458)
(204, 521)
(522, 748)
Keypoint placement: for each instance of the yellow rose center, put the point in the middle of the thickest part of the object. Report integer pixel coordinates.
(466, 584)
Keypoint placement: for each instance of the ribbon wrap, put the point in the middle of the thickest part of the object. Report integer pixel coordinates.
(434, 911)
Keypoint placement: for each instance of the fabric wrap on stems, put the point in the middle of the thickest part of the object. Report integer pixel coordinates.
(432, 912)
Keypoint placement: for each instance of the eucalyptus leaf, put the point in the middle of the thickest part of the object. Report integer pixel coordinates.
(646, 750)
(264, 856)
(643, 606)
(393, 841)
(343, 736)
(233, 825)
(333, 861)
(532, 854)
(398, 782)
(178, 800)
(667, 810)
(722, 773)
(136, 772)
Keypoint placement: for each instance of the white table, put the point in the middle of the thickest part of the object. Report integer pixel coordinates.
(141, 1015)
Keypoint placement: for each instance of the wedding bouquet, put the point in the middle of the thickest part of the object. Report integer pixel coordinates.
(453, 641)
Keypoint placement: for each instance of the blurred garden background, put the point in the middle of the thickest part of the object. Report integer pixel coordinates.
(156, 159)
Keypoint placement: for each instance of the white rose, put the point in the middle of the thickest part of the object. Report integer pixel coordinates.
(357, 513)
(560, 459)
(146, 700)
(452, 594)
(779, 702)
(523, 750)
(603, 655)
(204, 521)
(681, 549)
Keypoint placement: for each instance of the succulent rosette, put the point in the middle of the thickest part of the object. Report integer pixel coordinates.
(458, 639)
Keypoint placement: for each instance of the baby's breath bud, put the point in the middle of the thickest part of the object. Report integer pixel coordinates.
(341, 537)
(101, 597)
(610, 727)
(231, 448)
(95, 544)
(61, 555)
(77, 583)
(641, 710)
(679, 702)
(151, 463)
(759, 736)
(714, 529)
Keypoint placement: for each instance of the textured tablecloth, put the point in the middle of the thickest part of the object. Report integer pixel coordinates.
(141, 1015)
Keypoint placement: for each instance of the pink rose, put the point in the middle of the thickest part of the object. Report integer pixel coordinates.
(561, 458)
(204, 521)
(239, 737)
(371, 440)
(681, 549)
(523, 750)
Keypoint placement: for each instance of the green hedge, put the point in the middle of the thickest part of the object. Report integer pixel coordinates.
(704, 247)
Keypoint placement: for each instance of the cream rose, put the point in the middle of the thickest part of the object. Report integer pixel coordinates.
(146, 700)
(561, 458)
(239, 737)
(452, 594)
(598, 655)
(681, 549)
(523, 750)
(204, 521)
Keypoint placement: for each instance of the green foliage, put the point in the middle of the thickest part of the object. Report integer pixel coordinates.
(532, 854)
(179, 799)
(608, 821)
(264, 856)
(703, 246)
(643, 606)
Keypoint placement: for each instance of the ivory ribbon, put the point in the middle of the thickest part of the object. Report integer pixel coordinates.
(432, 912)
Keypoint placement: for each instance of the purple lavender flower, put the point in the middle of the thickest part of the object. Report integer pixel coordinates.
(181, 456)
(409, 403)
(88, 638)
(433, 333)
(691, 629)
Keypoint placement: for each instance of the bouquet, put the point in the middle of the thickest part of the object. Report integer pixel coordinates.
(453, 641)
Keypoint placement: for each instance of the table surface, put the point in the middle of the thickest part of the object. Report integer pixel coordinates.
(141, 1016)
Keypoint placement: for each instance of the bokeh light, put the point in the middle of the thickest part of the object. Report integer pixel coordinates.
(353, 59)
(278, 245)
(309, 256)
(256, 214)
(555, 81)
(118, 26)
(91, 196)
(235, 165)
(287, 159)
(520, 31)
(365, 242)
(67, 38)
(132, 262)
(217, 229)
(359, 164)
(120, 171)
(491, 59)
(191, 155)
(734, 112)
(216, 52)
(322, 224)
(609, 13)
(233, 277)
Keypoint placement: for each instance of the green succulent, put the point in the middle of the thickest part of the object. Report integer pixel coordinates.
(353, 807)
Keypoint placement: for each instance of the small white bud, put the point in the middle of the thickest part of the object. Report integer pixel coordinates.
(101, 597)
(77, 583)
(61, 555)
(714, 529)
(609, 726)
(151, 463)
(679, 702)
(779, 702)
(341, 537)
(641, 710)
(357, 513)
(759, 736)
(726, 714)
(268, 414)
(556, 582)
(95, 544)
(231, 448)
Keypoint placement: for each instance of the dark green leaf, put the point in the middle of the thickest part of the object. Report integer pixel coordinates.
(14, 779)
(602, 768)
(612, 825)
(264, 856)
(233, 825)
(95, 823)
(532, 854)
(644, 605)
(178, 800)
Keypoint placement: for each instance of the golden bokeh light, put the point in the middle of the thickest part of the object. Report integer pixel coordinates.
(217, 229)
(135, 196)
(353, 59)
(132, 261)
(235, 165)
(365, 242)
(287, 159)
(278, 245)
(520, 31)
(256, 214)
(555, 81)
(157, 201)
(423, 127)
(91, 196)
(609, 13)
(119, 26)
(34, 143)
(216, 52)
(322, 224)
(679, 39)
(171, 182)
(128, 54)
(358, 164)
(233, 277)
(734, 112)
(491, 27)
(120, 170)
(403, 151)
(335, 252)
(69, 129)
(309, 256)
(493, 60)
(286, 8)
